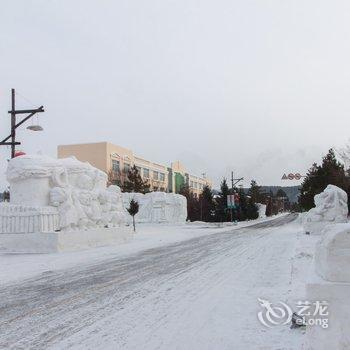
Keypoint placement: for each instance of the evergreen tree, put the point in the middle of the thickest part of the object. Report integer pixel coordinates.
(319, 177)
(243, 205)
(269, 204)
(222, 210)
(207, 205)
(255, 192)
(133, 210)
(134, 182)
(193, 208)
(252, 210)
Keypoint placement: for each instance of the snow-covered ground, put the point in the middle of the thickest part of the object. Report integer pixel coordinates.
(194, 287)
(15, 267)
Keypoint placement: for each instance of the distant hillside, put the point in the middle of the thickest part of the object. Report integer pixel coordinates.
(292, 192)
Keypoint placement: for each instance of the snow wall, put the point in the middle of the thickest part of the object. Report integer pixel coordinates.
(158, 207)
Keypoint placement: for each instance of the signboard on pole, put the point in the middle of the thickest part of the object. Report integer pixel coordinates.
(292, 176)
(232, 200)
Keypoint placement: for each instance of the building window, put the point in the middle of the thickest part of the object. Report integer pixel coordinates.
(191, 184)
(195, 185)
(155, 175)
(161, 177)
(115, 166)
(126, 167)
(146, 173)
(138, 170)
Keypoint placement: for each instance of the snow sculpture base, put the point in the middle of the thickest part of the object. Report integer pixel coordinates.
(54, 242)
(337, 335)
(331, 207)
(332, 284)
(332, 256)
(26, 219)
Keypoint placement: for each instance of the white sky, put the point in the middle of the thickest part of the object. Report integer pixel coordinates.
(260, 87)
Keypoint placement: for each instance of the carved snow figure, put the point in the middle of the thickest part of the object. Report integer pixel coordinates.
(331, 206)
(331, 285)
(75, 192)
(62, 199)
(32, 177)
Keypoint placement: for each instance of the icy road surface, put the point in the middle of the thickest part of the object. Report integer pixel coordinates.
(196, 294)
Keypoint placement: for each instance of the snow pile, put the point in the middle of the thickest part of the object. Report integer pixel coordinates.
(331, 206)
(156, 207)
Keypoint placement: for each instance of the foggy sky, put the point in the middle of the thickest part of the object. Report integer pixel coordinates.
(257, 87)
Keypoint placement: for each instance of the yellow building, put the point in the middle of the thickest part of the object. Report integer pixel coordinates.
(116, 162)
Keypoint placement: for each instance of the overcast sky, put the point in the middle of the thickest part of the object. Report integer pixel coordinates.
(259, 87)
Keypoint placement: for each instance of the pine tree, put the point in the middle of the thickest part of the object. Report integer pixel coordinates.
(134, 182)
(133, 210)
(193, 207)
(269, 204)
(252, 210)
(207, 204)
(319, 177)
(243, 204)
(222, 210)
(255, 192)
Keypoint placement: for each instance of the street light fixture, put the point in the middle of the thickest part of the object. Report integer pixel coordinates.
(15, 125)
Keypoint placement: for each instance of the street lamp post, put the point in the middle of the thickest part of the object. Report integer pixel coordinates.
(15, 125)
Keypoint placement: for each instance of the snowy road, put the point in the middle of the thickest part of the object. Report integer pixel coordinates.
(196, 294)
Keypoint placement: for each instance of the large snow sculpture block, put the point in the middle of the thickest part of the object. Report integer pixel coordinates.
(158, 207)
(331, 206)
(59, 195)
(332, 255)
(332, 284)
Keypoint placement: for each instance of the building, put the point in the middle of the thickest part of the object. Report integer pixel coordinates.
(116, 162)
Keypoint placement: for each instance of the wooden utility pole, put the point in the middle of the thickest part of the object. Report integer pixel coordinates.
(15, 125)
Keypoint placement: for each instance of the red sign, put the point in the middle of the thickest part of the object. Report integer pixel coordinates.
(292, 176)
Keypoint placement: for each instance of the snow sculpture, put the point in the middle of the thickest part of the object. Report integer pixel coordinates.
(49, 195)
(332, 255)
(331, 283)
(261, 210)
(158, 207)
(331, 206)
